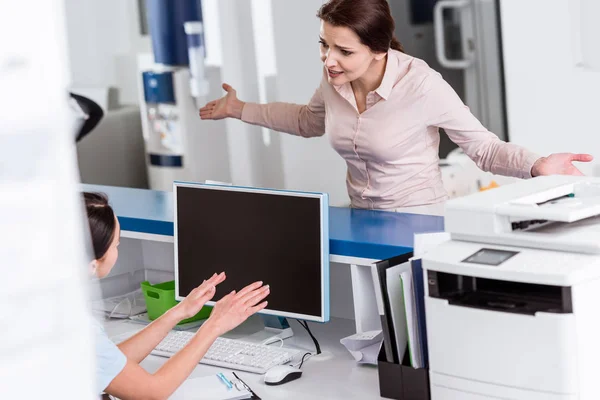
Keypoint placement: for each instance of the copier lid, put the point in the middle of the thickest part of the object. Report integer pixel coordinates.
(550, 212)
(543, 197)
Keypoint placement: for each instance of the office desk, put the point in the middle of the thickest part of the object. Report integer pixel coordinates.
(337, 377)
(357, 238)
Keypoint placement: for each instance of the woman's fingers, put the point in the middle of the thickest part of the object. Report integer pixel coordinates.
(227, 296)
(256, 296)
(582, 157)
(217, 278)
(209, 107)
(202, 290)
(206, 108)
(255, 309)
(210, 104)
(208, 287)
(209, 292)
(249, 288)
(214, 280)
(206, 115)
(212, 277)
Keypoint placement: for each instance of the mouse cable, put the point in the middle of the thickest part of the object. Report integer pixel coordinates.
(305, 325)
(299, 364)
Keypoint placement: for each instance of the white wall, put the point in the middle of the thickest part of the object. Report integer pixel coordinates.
(552, 80)
(103, 42)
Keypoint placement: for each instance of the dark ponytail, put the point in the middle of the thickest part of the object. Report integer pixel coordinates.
(101, 219)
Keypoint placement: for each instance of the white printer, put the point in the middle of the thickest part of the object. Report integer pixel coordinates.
(513, 299)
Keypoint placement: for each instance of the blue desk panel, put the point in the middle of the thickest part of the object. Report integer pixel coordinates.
(352, 232)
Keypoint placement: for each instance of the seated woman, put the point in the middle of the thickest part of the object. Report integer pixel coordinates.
(117, 366)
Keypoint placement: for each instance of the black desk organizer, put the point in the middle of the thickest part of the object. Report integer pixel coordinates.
(401, 381)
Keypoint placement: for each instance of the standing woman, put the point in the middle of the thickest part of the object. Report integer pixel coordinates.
(382, 110)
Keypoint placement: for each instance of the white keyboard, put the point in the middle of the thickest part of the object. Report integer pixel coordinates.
(230, 353)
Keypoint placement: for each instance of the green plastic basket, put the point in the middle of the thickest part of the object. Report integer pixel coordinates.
(161, 297)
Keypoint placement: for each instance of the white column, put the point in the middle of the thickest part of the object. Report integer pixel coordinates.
(240, 71)
(46, 347)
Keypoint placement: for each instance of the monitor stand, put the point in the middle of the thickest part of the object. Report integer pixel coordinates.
(275, 328)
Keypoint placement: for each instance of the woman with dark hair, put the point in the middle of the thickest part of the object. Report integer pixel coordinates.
(382, 110)
(117, 367)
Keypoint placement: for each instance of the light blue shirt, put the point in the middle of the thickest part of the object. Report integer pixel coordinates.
(110, 361)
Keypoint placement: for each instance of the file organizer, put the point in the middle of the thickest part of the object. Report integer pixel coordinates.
(401, 381)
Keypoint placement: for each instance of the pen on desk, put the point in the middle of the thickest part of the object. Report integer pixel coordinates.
(254, 395)
(225, 380)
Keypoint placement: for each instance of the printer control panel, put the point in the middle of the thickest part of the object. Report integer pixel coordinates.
(493, 257)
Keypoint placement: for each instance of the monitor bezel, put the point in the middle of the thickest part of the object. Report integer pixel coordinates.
(324, 234)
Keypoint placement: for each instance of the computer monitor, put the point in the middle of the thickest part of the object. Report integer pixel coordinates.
(279, 237)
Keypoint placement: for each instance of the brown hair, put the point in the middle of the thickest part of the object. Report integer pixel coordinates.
(101, 219)
(371, 20)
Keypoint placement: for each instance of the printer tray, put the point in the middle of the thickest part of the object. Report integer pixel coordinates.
(499, 295)
(401, 381)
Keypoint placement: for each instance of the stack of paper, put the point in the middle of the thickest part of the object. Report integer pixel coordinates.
(390, 302)
(414, 306)
(397, 309)
(400, 294)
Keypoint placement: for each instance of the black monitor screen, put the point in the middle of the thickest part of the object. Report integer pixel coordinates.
(252, 236)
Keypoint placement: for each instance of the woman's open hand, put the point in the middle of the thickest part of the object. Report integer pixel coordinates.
(235, 308)
(227, 106)
(194, 301)
(559, 164)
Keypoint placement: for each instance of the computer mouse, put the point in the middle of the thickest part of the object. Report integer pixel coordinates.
(282, 374)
